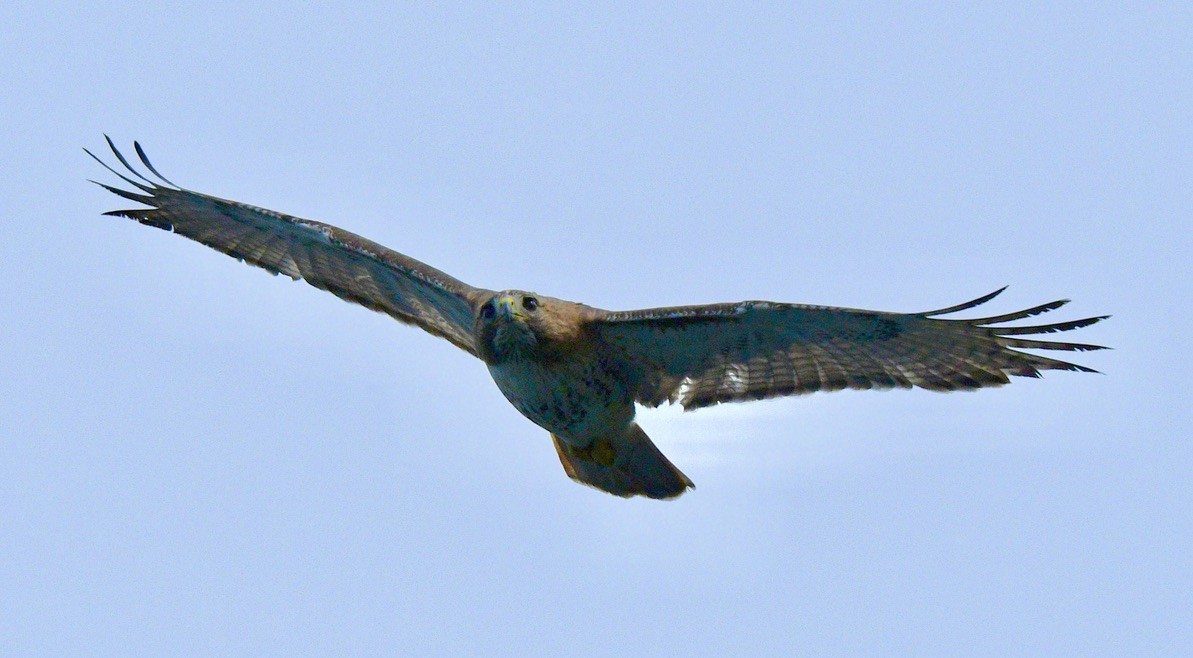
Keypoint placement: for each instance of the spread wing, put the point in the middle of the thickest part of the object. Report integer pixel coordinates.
(329, 258)
(704, 355)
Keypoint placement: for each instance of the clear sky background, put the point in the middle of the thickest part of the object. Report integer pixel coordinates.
(196, 457)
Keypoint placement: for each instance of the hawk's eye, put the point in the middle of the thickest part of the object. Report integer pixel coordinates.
(487, 311)
(530, 303)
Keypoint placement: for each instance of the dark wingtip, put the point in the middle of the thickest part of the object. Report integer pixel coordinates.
(966, 305)
(1019, 315)
(148, 164)
(139, 186)
(132, 196)
(1049, 328)
(124, 161)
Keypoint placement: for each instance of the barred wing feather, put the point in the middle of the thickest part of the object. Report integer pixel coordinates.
(343, 263)
(704, 355)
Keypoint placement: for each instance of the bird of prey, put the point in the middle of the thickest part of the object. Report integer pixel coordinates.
(577, 371)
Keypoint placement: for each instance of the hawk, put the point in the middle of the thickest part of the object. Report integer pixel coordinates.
(577, 371)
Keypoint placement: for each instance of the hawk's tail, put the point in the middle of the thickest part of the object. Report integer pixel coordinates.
(625, 465)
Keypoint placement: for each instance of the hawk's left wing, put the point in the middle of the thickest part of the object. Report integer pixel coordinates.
(703, 355)
(351, 267)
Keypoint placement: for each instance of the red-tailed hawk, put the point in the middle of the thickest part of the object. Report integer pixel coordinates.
(577, 371)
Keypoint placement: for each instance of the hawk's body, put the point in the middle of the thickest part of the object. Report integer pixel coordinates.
(576, 397)
(577, 371)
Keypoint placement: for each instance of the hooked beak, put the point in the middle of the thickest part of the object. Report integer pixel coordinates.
(507, 308)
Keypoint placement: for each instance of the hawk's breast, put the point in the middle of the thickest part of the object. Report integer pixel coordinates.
(576, 400)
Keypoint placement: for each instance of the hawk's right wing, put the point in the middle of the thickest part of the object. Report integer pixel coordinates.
(329, 258)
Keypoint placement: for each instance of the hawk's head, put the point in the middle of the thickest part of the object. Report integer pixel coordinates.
(515, 324)
(508, 325)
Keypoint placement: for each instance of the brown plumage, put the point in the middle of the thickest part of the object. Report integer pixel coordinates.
(577, 371)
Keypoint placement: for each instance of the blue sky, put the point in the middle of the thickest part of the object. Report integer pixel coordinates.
(200, 458)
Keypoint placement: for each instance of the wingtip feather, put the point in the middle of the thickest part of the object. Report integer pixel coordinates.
(145, 160)
(124, 161)
(1019, 315)
(139, 186)
(966, 305)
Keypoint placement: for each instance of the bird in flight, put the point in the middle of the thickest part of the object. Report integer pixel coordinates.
(577, 371)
